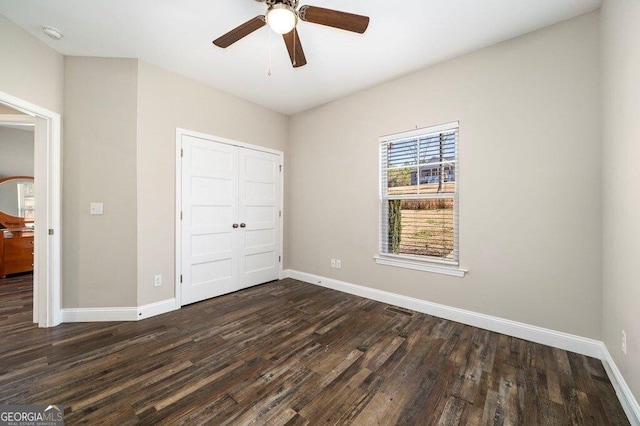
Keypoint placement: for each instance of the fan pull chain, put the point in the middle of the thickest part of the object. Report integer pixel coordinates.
(269, 55)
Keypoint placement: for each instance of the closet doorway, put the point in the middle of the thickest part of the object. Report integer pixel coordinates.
(229, 216)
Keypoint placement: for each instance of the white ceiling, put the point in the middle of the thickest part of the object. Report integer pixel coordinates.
(177, 34)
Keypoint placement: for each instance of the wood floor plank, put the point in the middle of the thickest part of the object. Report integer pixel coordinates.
(290, 353)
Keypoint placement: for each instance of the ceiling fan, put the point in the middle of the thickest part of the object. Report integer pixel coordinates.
(282, 17)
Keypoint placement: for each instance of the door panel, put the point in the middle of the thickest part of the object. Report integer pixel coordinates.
(259, 203)
(209, 199)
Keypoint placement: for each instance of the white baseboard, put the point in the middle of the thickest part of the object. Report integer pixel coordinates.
(545, 336)
(118, 314)
(628, 401)
(520, 330)
(99, 314)
(156, 308)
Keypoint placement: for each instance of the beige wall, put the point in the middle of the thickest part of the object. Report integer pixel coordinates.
(99, 266)
(621, 174)
(165, 101)
(16, 152)
(30, 69)
(530, 221)
(120, 122)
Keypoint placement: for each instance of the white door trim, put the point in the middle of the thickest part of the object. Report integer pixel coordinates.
(178, 199)
(47, 293)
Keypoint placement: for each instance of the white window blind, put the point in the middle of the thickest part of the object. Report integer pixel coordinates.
(419, 194)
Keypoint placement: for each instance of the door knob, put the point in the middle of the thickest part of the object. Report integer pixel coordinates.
(235, 225)
(243, 225)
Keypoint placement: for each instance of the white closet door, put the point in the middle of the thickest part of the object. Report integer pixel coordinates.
(260, 213)
(210, 259)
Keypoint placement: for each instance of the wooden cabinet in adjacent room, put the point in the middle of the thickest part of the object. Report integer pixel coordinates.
(16, 251)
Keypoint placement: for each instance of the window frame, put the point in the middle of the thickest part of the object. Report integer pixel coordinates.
(419, 262)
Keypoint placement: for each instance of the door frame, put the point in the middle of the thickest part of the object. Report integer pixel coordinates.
(178, 200)
(47, 177)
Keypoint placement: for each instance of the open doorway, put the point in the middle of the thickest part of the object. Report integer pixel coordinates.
(38, 210)
(17, 212)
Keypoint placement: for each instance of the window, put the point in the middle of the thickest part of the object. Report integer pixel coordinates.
(419, 196)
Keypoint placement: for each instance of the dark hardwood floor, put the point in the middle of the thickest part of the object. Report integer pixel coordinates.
(292, 353)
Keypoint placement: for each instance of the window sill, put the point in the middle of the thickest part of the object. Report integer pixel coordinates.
(420, 266)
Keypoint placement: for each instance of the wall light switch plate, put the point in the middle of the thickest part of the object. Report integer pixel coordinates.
(96, 208)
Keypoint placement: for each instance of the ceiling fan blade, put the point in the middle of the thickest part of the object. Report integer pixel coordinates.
(239, 32)
(334, 18)
(294, 47)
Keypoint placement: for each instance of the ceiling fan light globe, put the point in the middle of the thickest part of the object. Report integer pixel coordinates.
(281, 18)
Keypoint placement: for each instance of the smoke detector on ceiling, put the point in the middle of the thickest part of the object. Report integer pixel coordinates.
(52, 32)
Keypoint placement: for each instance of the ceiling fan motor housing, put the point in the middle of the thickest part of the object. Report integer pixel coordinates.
(292, 3)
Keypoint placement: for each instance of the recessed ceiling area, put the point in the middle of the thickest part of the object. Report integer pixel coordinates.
(177, 35)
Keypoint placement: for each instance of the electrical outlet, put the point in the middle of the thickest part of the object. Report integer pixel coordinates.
(157, 280)
(333, 263)
(338, 263)
(624, 342)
